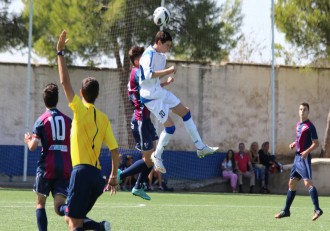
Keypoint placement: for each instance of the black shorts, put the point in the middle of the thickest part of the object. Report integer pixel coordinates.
(45, 186)
(144, 134)
(86, 185)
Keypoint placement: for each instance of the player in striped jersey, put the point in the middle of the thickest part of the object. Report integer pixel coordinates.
(52, 130)
(159, 100)
(142, 127)
(306, 141)
(90, 129)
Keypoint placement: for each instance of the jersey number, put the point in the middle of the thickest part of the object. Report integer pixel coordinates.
(162, 113)
(58, 127)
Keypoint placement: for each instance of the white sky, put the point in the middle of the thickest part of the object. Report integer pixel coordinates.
(256, 28)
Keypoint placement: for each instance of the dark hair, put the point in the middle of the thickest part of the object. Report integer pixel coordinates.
(50, 95)
(129, 157)
(232, 157)
(163, 36)
(135, 52)
(305, 105)
(264, 144)
(90, 89)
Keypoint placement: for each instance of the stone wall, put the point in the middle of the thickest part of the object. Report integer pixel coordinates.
(230, 104)
(278, 182)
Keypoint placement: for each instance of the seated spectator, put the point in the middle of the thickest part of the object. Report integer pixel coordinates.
(120, 162)
(155, 177)
(121, 166)
(128, 181)
(242, 161)
(268, 160)
(227, 167)
(259, 169)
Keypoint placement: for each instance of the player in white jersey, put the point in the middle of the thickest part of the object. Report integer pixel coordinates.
(159, 100)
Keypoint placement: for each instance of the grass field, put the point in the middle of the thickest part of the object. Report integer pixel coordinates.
(173, 211)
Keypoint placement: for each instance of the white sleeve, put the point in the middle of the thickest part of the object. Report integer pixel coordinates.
(145, 64)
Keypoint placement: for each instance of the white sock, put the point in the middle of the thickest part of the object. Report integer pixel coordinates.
(164, 138)
(192, 130)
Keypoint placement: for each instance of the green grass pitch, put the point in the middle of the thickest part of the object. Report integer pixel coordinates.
(173, 211)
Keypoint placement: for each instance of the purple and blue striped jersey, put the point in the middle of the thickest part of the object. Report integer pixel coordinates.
(140, 111)
(53, 130)
(305, 134)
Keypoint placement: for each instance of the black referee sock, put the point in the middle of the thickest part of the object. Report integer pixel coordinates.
(41, 219)
(79, 229)
(90, 224)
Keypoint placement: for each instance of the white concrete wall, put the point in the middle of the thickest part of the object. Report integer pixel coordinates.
(230, 104)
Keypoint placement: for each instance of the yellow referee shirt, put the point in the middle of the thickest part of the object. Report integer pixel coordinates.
(90, 128)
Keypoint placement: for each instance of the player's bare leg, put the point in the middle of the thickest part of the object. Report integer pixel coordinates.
(75, 224)
(59, 204)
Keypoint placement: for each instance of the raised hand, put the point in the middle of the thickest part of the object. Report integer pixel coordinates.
(62, 41)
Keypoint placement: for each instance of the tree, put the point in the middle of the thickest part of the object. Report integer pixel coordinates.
(248, 49)
(206, 32)
(306, 24)
(203, 31)
(110, 27)
(11, 28)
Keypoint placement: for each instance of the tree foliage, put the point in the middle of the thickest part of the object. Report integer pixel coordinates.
(11, 28)
(306, 24)
(205, 31)
(201, 30)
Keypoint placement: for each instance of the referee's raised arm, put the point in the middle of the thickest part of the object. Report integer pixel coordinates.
(62, 68)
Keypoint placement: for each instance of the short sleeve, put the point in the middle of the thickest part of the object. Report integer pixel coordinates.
(109, 138)
(313, 132)
(78, 108)
(145, 65)
(37, 128)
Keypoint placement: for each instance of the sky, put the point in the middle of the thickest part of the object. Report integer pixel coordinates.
(256, 27)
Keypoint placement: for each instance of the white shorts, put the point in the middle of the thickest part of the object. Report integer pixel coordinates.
(161, 107)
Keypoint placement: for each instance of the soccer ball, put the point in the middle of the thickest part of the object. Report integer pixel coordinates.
(161, 16)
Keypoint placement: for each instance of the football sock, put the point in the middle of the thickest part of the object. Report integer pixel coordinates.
(90, 224)
(289, 199)
(41, 219)
(192, 131)
(164, 138)
(137, 167)
(315, 198)
(79, 229)
(61, 209)
(143, 176)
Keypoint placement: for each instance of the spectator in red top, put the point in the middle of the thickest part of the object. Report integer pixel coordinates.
(244, 167)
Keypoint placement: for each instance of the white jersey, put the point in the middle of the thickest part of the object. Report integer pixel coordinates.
(151, 61)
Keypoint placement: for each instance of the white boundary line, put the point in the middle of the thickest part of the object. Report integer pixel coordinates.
(103, 205)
